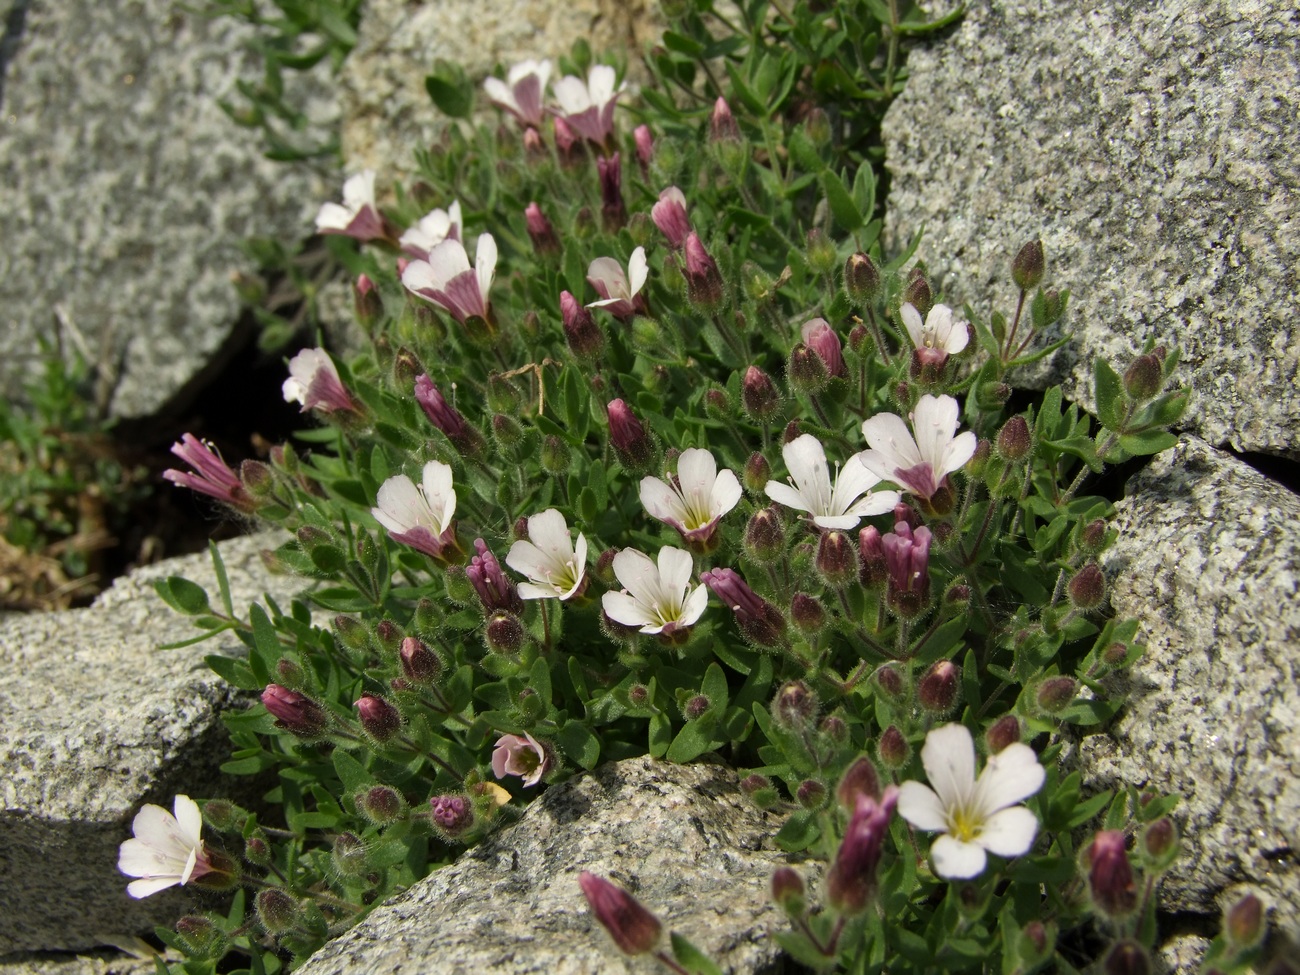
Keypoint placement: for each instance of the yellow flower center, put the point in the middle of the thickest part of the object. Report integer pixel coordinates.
(964, 825)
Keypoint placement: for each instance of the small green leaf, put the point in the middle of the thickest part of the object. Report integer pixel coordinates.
(182, 595)
(839, 199)
(351, 773)
(1147, 442)
(1108, 389)
(695, 738)
(799, 832)
(223, 582)
(579, 744)
(456, 100)
(539, 679)
(691, 958)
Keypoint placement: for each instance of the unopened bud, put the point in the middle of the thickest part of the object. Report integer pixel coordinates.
(888, 679)
(1055, 694)
(717, 404)
(453, 815)
(810, 794)
(634, 929)
(836, 561)
(703, 279)
(859, 779)
(366, 302)
(257, 848)
(541, 231)
(992, 396)
(764, 536)
(807, 613)
(1127, 958)
(938, 688)
(1244, 922)
(795, 705)
(1115, 654)
(1160, 844)
(504, 633)
(788, 892)
(1088, 587)
(791, 433)
(820, 253)
(1036, 934)
(352, 633)
(1110, 875)
(893, 748)
(805, 370)
(835, 728)
(420, 665)
(1092, 536)
(290, 674)
(380, 719)
(294, 712)
(200, 939)
(1028, 265)
(1014, 439)
(222, 815)
(861, 278)
(349, 855)
(277, 911)
(759, 395)
(1143, 379)
(1002, 733)
(722, 124)
(695, 706)
(257, 479)
(381, 805)
(757, 473)
(632, 445)
(917, 292)
(556, 456)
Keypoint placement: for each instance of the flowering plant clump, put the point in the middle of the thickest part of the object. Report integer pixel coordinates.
(576, 502)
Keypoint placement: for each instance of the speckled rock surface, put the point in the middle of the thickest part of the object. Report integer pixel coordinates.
(681, 838)
(98, 963)
(387, 114)
(1182, 954)
(125, 191)
(1154, 149)
(94, 721)
(1208, 559)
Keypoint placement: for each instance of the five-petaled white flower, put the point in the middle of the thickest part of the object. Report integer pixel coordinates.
(357, 216)
(942, 331)
(619, 289)
(975, 816)
(431, 230)
(553, 564)
(841, 506)
(419, 516)
(167, 850)
(655, 598)
(919, 464)
(447, 280)
(699, 499)
(521, 93)
(588, 107)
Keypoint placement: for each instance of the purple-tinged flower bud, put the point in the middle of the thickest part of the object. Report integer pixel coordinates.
(1003, 733)
(290, 674)
(584, 336)
(835, 728)
(200, 939)
(1127, 957)
(717, 404)
(634, 929)
(1159, 844)
(1088, 587)
(1143, 379)
(859, 779)
(223, 815)
(494, 590)
(1115, 654)
(890, 681)
(1091, 537)
(506, 431)
(695, 706)
(795, 705)
(819, 337)
(791, 433)
(1243, 922)
(938, 688)
(992, 396)
(645, 147)
(758, 621)
(669, 215)
(861, 278)
(907, 559)
(759, 395)
(1014, 439)
(389, 635)
(612, 209)
(851, 881)
(257, 479)
(442, 414)
(893, 748)
(504, 633)
(453, 815)
(820, 253)
(805, 370)
(1036, 934)
(604, 567)
(1028, 265)
(556, 456)
(632, 445)
(349, 855)
(533, 144)
(836, 561)
(788, 892)
(381, 805)
(754, 783)
(566, 141)
(917, 292)
(757, 472)
(722, 124)
(369, 307)
(541, 231)
(703, 279)
(640, 228)
(860, 340)
(638, 694)
(379, 719)
(257, 849)
(764, 536)
(420, 665)
(873, 569)
(1055, 694)
(810, 794)
(294, 712)
(1110, 875)
(807, 614)
(277, 911)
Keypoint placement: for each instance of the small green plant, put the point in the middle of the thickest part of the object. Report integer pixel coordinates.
(681, 463)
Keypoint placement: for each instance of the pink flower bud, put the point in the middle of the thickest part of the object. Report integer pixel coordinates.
(703, 279)
(758, 620)
(294, 712)
(541, 231)
(722, 124)
(645, 147)
(580, 329)
(669, 215)
(420, 664)
(819, 337)
(380, 719)
(495, 591)
(628, 437)
(851, 882)
(759, 395)
(452, 814)
(612, 209)
(1110, 875)
(634, 929)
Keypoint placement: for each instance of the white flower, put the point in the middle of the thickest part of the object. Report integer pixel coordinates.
(656, 598)
(941, 330)
(431, 230)
(618, 289)
(918, 464)
(314, 382)
(549, 559)
(167, 850)
(447, 280)
(699, 499)
(974, 816)
(357, 216)
(588, 107)
(521, 93)
(419, 516)
(811, 491)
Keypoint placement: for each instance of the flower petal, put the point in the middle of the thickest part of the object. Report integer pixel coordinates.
(805, 459)
(661, 501)
(921, 807)
(485, 265)
(694, 605)
(150, 885)
(1009, 776)
(622, 608)
(786, 495)
(891, 445)
(446, 260)
(958, 452)
(956, 860)
(549, 532)
(935, 423)
(1009, 833)
(726, 493)
(912, 322)
(675, 568)
(949, 759)
(188, 819)
(638, 270)
(696, 472)
(528, 560)
(638, 574)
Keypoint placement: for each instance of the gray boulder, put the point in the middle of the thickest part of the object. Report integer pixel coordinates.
(681, 838)
(1153, 148)
(125, 192)
(1207, 559)
(95, 721)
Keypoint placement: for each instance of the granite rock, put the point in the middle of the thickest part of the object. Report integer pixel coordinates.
(125, 192)
(387, 114)
(95, 720)
(1153, 148)
(1207, 559)
(681, 838)
(96, 963)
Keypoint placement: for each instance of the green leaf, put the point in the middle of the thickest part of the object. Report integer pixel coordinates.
(266, 644)
(351, 773)
(456, 100)
(691, 958)
(539, 679)
(1147, 442)
(799, 832)
(839, 199)
(1108, 389)
(223, 582)
(233, 672)
(695, 738)
(864, 190)
(714, 687)
(182, 595)
(579, 744)
(661, 735)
